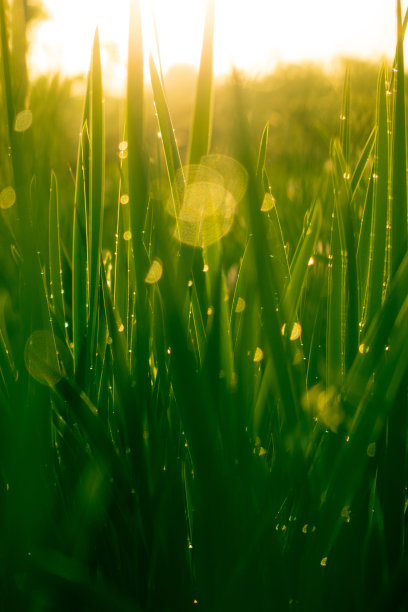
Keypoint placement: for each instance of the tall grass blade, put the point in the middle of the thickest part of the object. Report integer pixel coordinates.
(55, 279)
(201, 131)
(345, 120)
(380, 205)
(399, 157)
(80, 296)
(96, 192)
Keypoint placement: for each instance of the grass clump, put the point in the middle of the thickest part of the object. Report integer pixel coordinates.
(201, 417)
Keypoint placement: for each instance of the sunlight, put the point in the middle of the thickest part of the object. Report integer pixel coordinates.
(254, 36)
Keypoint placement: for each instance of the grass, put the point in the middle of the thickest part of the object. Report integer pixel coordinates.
(184, 428)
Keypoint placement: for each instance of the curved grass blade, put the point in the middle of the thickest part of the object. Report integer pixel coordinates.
(304, 250)
(171, 152)
(262, 152)
(362, 162)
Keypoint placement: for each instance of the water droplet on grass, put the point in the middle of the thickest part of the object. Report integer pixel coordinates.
(124, 199)
(296, 331)
(363, 349)
(155, 272)
(123, 145)
(323, 562)
(268, 202)
(259, 355)
(127, 235)
(23, 121)
(7, 197)
(241, 305)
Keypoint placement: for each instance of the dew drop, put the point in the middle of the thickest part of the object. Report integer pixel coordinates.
(241, 305)
(296, 331)
(7, 197)
(124, 199)
(127, 235)
(155, 272)
(259, 355)
(268, 202)
(23, 121)
(123, 145)
(323, 562)
(363, 349)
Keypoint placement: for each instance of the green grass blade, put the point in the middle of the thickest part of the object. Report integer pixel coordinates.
(96, 191)
(171, 152)
(262, 152)
(79, 256)
(362, 162)
(349, 254)
(363, 251)
(201, 131)
(55, 279)
(299, 266)
(335, 349)
(399, 157)
(345, 120)
(380, 205)
(138, 192)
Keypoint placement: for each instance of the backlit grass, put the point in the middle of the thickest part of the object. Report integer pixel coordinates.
(202, 417)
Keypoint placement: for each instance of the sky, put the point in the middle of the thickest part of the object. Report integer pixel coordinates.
(253, 35)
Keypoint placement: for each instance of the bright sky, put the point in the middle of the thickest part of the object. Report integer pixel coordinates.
(250, 34)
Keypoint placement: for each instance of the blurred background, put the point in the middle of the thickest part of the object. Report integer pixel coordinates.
(291, 58)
